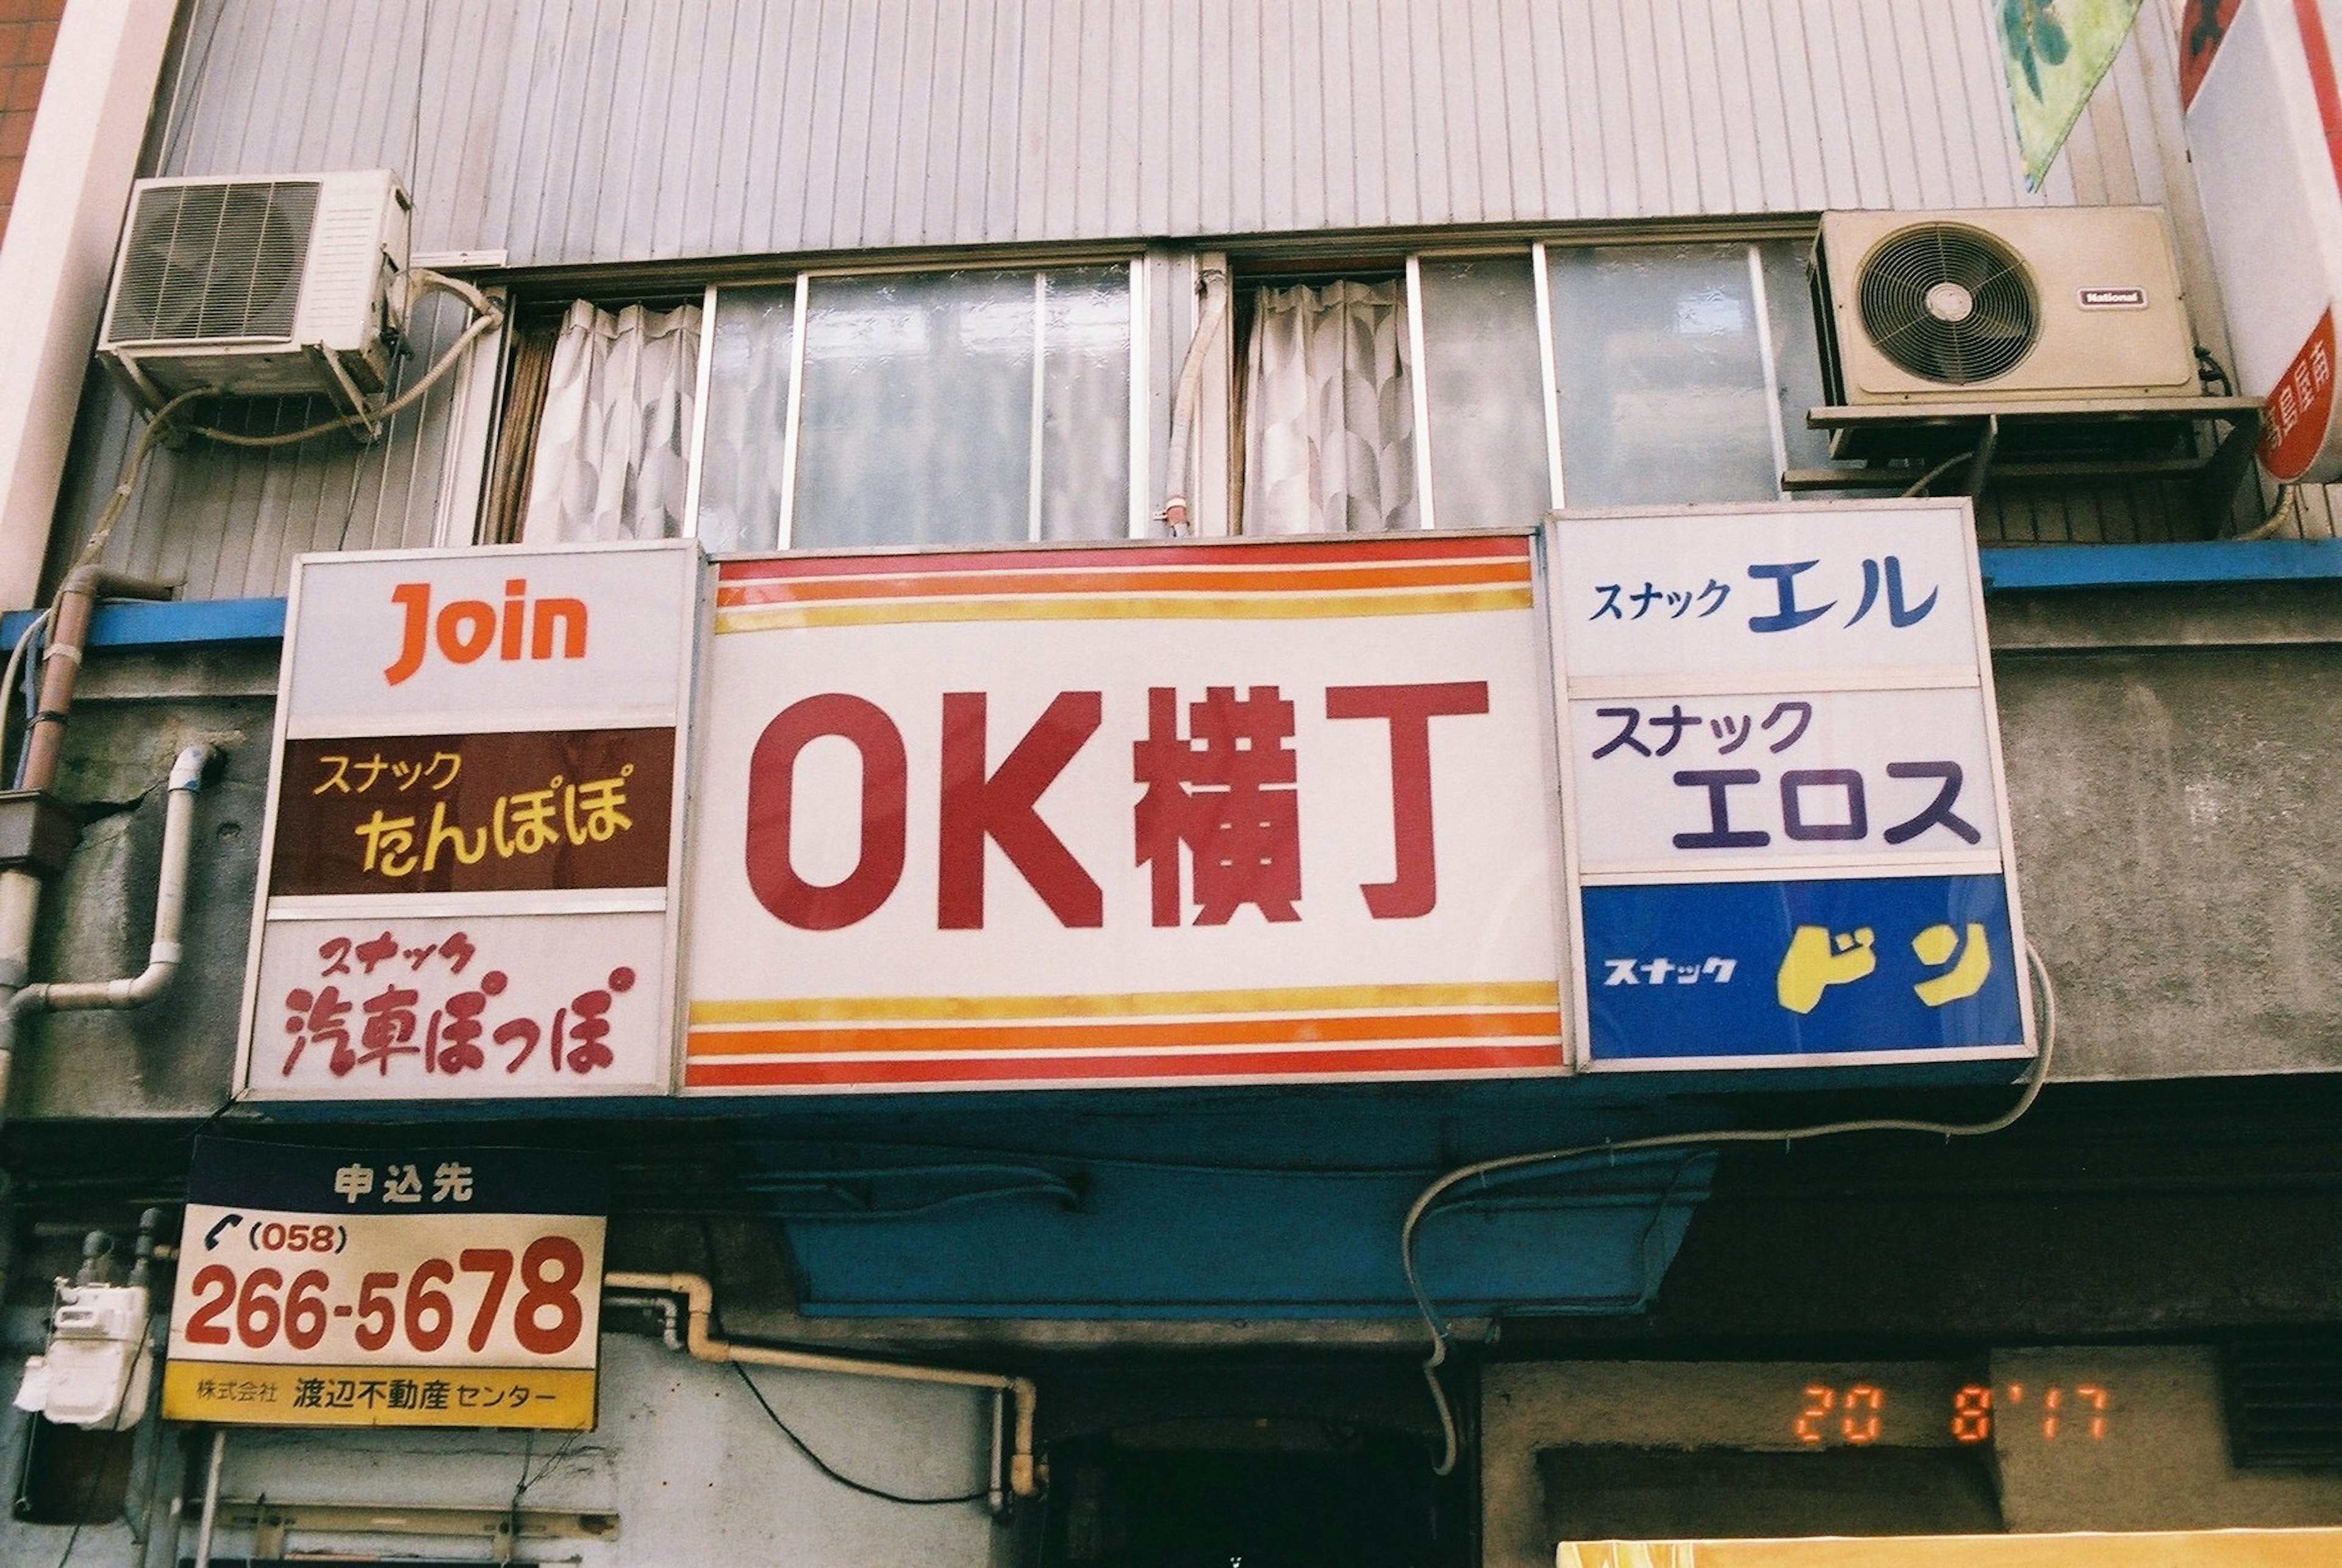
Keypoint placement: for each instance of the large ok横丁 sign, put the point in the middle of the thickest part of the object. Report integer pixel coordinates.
(1789, 837)
(350, 1287)
(1198, 813)
(468, 889)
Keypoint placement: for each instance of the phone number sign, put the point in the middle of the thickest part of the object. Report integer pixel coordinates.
(340, 1287)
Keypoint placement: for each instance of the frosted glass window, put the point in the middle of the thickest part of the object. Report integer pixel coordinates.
(1661, 372)
(1485, 388)
(1084, 489)
(740, 473)
(964, 407)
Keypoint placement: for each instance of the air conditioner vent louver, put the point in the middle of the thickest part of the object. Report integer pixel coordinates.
(266, 285)
(214, 260)
(1949, 303)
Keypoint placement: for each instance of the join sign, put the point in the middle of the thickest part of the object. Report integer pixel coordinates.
(1197, 812)
(475, 818)
(1787, 839)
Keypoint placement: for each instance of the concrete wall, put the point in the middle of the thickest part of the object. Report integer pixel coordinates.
(689, 1465)
(2171, 758)
(2163, 1464)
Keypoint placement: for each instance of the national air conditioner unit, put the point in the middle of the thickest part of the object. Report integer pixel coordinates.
(260, 288)
(2006, 307)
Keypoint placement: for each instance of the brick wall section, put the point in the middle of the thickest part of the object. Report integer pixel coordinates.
(28, 35)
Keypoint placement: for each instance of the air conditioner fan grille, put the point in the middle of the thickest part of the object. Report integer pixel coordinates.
(214, 260)
(1948, 302)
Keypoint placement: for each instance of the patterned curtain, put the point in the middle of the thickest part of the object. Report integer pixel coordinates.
(613, 445)
(1329, 418)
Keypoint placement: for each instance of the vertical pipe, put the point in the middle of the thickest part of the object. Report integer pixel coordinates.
(1540, 265)
(1420, 374)
(1040, 406)
(1764, 312)
(203, 1532)
(697, 440)
(1142, 396)
(787, 540)
(176, 1519)
(20, 901)
(995, 1491)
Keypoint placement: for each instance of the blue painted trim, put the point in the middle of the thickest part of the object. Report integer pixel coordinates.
(2150, 565)
(131, 623)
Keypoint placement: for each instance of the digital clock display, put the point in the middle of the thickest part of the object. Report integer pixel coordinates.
(1857, 1414)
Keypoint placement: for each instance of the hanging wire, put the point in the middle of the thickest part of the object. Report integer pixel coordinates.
(2038, 1074)
(40, 626)
(819, 1463)
(487, 317)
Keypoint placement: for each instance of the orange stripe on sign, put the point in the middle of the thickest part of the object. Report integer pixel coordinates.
(1435, 996)
(1297, 577)
(1202, 607)
(1440, 1060)
(1095, 1036)
(1123, 557)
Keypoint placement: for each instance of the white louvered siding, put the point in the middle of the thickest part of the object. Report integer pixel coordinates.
(608, 132)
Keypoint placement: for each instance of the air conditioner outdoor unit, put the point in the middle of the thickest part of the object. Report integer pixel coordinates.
(2010, 307)
(260, 288)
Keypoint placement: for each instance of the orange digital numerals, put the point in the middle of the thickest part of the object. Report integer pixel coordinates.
(1972, 1411)
(1860, 1410)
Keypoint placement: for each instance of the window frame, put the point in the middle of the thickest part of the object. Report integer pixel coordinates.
(1139, 512)
(1540, 252)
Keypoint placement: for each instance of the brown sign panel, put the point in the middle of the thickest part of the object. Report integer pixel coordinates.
(524, 810)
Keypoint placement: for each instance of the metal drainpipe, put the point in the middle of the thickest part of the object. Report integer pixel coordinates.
(206, 1532)
(699, 1306)
(20, 890)
(170, 913)
(1175, 512)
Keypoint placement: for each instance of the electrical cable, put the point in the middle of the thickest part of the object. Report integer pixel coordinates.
(2289, 504)
(2208, 366)
(1938, 472)
(8, 680)
(2035, 1075)
(487, 317)
(848, 1482)
(120, 499)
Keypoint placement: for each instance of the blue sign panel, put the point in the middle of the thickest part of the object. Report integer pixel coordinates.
(1740, 972)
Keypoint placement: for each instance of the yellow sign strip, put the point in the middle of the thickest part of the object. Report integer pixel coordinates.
(1288, 999)
(1149, 607)
(550, 1398)
(1288, 577)
(2311, 1548)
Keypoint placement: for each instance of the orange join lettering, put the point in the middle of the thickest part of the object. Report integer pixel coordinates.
(465, 630)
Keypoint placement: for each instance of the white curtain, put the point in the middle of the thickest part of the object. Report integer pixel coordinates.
(1329, 417)
(613, 445)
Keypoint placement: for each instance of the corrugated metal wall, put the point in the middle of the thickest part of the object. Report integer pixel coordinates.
(610, 130)
(597, 131)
